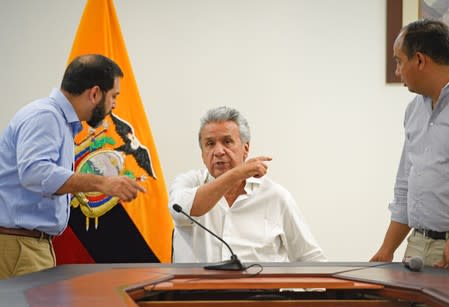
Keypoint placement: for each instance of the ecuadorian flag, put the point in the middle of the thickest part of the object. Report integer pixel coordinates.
(102, 229)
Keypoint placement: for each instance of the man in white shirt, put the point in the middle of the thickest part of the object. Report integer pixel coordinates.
(233, 198)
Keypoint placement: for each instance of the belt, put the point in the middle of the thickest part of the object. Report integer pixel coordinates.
(436, 235)
(25, 233)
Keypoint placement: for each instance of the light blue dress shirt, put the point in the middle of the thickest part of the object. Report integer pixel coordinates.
(36, 158)
(422, 183)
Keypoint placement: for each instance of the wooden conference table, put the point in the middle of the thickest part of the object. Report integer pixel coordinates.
(279, 284)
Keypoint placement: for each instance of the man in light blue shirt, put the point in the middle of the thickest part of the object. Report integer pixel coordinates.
(36, 164)
(421, 198)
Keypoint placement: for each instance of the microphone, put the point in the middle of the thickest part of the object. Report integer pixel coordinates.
(232, 264)
(413, 263)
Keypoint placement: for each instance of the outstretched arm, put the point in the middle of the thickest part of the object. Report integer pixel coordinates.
(122, 187)
(210, 193)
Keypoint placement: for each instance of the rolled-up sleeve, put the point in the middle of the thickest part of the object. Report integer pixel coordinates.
(398, 207)
(182, 192)
(40, 164)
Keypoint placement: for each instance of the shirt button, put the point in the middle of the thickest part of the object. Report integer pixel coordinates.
(426, 149)
(431, 123)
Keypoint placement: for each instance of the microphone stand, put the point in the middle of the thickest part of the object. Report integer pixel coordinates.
(232, 264)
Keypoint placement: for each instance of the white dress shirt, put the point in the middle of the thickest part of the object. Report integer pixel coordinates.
(264, 225)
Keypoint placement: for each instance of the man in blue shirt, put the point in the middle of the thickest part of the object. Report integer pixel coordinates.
(421, 194)
(36, 164)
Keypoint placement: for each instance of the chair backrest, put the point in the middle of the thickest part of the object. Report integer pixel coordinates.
(182, 245)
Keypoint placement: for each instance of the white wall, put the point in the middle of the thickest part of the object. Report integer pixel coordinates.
(308, 75)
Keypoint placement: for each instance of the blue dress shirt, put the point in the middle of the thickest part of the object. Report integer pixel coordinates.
(36, 159)
(422, 183)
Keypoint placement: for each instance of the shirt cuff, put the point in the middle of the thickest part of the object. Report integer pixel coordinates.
(53, 182)
(398, 212)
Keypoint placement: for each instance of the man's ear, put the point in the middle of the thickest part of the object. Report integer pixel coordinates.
(94, 94)
(246, 151)
(421, 58)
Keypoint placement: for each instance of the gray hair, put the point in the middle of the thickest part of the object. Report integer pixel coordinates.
(223, 114)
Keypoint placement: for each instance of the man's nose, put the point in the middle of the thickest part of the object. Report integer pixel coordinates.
(219, 150)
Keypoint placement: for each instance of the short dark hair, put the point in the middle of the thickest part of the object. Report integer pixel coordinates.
(427, 36)
(87, 71)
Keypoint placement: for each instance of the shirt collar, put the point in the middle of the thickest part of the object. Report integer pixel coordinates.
(444, 92)
(252, 184)
(67, 110)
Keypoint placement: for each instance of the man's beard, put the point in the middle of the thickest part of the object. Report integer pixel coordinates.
(98, 114)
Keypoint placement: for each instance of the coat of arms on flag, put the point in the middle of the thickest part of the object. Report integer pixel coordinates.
(99, 154)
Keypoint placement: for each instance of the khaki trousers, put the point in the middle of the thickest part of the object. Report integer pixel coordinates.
(430, 250)
(20, 255)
